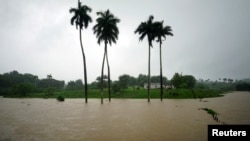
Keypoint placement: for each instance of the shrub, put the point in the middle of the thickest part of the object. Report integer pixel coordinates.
(60, 98)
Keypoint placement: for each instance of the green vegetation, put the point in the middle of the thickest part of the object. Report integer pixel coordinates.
(130, 92)
(212, 113)
(183, 81)
(15, 83)
(19, 85)
(244, 86)
(60, 98)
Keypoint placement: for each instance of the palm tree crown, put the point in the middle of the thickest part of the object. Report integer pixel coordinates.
(147, 29)
(106, 29)
(162, 31)
(81, 17)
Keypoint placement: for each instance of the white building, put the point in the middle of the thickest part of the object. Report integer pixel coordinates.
(156, 86)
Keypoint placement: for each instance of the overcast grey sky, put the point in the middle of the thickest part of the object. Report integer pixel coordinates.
(211, 38)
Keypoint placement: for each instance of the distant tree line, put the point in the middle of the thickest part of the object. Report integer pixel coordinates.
(20, 84)
(17, 83)
(224, 84)
(243, 86)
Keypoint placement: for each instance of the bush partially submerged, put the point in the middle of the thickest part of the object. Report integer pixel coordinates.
(60, 98)
(211, 112)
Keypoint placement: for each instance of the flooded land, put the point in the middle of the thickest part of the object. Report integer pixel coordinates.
(119, 120)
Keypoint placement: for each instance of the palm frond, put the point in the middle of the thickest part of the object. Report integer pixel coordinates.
(106, 28)
(146, 29)
(81, 17)
(162, 32)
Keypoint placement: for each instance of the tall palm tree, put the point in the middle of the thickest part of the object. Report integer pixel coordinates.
(106, 30)
(162, 32)
(82, 19)
(148, 29)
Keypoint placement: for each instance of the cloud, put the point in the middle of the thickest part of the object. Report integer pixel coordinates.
(210, 39)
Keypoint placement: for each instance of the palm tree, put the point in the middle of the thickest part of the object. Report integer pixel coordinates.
(106, 30)
(148, 29)
(161, 32)
(82, 19)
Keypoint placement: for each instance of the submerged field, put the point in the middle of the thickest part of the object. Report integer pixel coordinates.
(39, 119)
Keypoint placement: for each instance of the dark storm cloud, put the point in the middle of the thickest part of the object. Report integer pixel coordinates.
(210, 38)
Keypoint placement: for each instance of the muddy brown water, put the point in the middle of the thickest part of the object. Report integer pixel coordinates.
(120, 120)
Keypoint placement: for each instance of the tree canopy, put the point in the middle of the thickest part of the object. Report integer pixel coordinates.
(186, 81)
(106, 29)
(81, 17)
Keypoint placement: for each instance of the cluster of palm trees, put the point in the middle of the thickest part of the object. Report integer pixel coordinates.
(106, 31)
(153, 30)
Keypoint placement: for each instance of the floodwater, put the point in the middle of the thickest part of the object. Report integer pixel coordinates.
(119, 120)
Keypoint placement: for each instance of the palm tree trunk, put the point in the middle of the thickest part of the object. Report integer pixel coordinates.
(161, 73)
(102, 74)
(106, 50)
(85, 70)
(149, 79)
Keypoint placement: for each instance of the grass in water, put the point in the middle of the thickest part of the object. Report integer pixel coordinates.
(212, 112)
